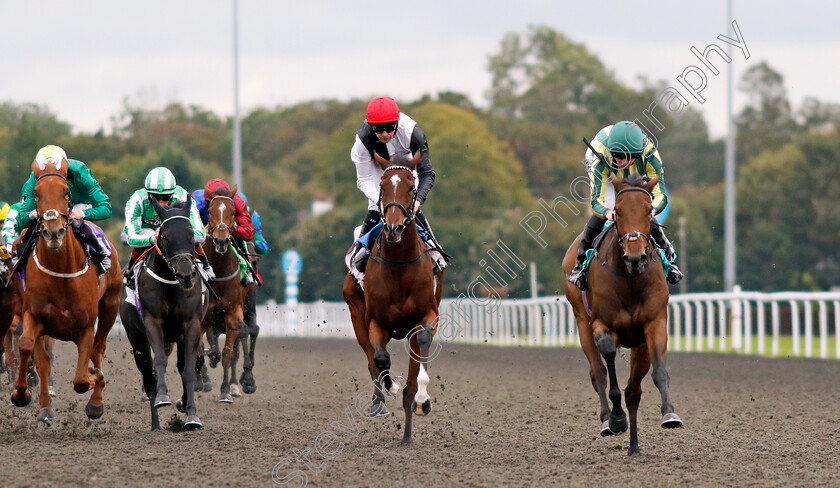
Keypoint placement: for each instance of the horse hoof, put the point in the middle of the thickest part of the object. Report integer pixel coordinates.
(214, 358)
(605, 429)
(671, 421)
(21, 402)
(144, 397)
(179, 405)
(94, 412)
(46, 414)
(406, 441)
(379, 410)
(249, 389)
(235, 391)
(225, 398)
(193, 422)
(52, 392)
(618, 426)
(206, 385)
(162, 401)
(422, 409)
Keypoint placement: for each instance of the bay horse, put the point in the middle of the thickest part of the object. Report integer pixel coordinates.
(628, 297)
(63, 296)
(227, 305)
(171, 302)
(247, 341)
(401, 295)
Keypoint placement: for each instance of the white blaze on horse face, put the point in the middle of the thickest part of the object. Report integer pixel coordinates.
(222, 208)
(395, 180)
(422, 383)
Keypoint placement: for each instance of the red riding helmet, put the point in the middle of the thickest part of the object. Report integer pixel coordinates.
(382, 109)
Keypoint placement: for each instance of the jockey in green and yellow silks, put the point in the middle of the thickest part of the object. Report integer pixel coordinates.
(626, 150)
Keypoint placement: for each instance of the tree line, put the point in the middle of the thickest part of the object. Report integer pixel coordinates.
(495, 166)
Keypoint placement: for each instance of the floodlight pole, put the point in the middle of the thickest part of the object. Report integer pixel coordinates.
(729, 197)
(237, 125)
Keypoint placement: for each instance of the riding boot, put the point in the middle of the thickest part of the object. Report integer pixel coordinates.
(424, 222)
(360, 253)
(658, 235)
(593, 228)
(28, 238)
(128, 273)
(98, 253)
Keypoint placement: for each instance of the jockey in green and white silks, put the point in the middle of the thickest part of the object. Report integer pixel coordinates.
(142, 221)
(88, 202)
(626, 150)
(10, 231)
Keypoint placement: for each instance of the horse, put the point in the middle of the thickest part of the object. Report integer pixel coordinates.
(628, 296)
(401, 296)
(246, 341)
(227, 306)
(63, 296)
(172, 302)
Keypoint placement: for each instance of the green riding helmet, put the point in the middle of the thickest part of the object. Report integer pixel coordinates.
(626, 137)
(161, 181)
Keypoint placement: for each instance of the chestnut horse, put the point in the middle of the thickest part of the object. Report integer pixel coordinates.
(173, 302)
(227, 305)
(63, 296)
(401, 296)
(628, 296)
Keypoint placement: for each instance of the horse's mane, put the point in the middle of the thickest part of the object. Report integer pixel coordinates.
(178, 205)
(400, 159)
(222, 191)
(636, 179)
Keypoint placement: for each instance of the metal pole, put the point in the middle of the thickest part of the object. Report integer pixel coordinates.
(533, 279)
(729, 199)
(683, 253)
(237, 126)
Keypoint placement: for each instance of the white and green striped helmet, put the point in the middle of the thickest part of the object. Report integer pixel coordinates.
(160, 180)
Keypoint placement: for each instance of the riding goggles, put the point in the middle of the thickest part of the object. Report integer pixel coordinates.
(380, 128)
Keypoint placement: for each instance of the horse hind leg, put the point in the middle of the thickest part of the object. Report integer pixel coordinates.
(249, 384)
(235, 390)
(618, 419)
(662, 379)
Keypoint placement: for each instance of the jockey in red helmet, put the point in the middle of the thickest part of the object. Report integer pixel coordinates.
(388, 132)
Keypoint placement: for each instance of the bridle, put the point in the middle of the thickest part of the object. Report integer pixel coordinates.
(53, 214)
(221, 225)
(409, 214)
(169, 260)
(633, 235)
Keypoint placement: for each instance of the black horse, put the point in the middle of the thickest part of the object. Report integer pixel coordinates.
(173, 302)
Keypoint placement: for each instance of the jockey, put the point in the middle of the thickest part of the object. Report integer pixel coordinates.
(87, 202)
(5, 209)
(243, 228)
(142, 220)
(260, 244)
(627, 150)
(386, 131)
(10, 230)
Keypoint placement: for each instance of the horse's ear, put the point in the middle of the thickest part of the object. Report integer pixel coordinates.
(234, 190)
(382, 162)
(414, 161)
(650, 184)
(187, 205)
(157, 206)
(617, 184)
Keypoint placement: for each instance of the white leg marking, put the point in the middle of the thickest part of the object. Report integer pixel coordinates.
(422, 382)
(395, 388)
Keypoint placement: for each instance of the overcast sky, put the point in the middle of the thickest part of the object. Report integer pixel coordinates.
(82, 58)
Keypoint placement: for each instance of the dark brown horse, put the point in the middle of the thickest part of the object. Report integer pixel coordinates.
(400, 299)
(227, 304)
(63, 297)
(628, 296)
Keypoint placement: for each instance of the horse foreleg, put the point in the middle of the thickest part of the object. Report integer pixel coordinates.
(657, 339)
(49, 345)
(232, 323)
(639, 367)
(379, 339)
(607, 345)
(86, 377)
(10, 359)
(42, 364)
(187, 354)
(31, 331)
(411, 389)
(154, 335)
(213, 353)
